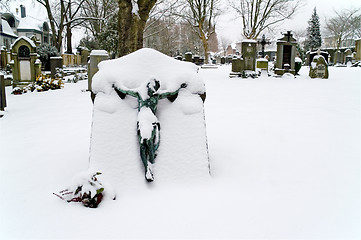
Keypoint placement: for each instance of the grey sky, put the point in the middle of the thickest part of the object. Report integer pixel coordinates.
(230, 27)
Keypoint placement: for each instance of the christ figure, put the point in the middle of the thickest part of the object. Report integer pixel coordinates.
(148, 126)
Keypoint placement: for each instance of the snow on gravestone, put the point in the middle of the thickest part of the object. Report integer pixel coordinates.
(182, 154)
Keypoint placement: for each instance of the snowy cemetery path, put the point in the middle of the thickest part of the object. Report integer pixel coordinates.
(284, 152)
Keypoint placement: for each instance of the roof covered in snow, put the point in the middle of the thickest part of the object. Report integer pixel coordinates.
(134, 71)
(30, 23)
(6, 29)
(26, 39)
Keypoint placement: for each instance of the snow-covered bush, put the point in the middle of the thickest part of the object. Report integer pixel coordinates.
(41, 84)
(46, 51)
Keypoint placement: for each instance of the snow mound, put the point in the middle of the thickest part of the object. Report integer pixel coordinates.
(134, 70)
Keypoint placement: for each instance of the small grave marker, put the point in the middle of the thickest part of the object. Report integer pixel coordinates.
(318, 68)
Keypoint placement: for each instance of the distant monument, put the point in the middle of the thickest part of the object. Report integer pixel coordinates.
(249, 54)
(286, 53)
(25, 64)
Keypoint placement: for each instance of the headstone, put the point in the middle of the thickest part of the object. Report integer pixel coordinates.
(262, 63)
(298, 65)
(249, 54)
(223, 60)
(55, 62)
(120, 88)
(4, 59)
(286, 53)
(96, 56)
(237, 65)
(196, 59)
(338, 57)
(348, 56)
(2, 95)
(25, 64)
(319, 67)
(188, 56)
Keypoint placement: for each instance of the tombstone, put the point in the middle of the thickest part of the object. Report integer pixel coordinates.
(298, 65)
(286, 53)
(262, 63)
(201, 60)
(96, 56)
(337, 57)
(188, 56)
(182, 156)
(25, 64)
(348, 56)
(55, 62)
(2, 95)
(4, 59)
(195, 59)
(249, 54)
(223, 60)
(237, 65)
(319, 67)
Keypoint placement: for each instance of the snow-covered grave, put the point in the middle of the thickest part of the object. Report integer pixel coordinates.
(115, 148)
(284, 152)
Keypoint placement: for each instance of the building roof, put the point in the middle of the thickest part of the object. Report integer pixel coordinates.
(30, 23)
(6, 29)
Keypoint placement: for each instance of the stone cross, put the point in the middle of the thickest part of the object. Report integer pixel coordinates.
(288, 35)
(263, 42)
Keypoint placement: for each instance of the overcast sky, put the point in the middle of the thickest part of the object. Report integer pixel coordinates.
(230, 27)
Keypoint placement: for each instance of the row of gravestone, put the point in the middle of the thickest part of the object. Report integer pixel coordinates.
(285, 60)
(25, 64)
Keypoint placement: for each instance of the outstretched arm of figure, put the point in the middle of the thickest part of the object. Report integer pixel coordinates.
(122, 93)
(172, 95)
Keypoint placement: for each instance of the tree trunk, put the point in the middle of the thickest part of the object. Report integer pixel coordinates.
(131, 25)
(204, 40)
(69, 49)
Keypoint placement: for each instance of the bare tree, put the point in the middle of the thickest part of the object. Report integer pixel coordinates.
(98, 13)
(63, 14)
(258, 15)
(57, 26)
(345, 25)
(201, 15)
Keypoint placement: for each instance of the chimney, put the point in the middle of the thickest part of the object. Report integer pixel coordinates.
(22, 11)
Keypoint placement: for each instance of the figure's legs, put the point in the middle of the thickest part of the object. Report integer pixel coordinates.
(144, 155)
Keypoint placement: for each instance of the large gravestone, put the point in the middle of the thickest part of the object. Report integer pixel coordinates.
(55, 62)
(96, 56)
(25, 64)
(115, 151)
(318, 68)
(286, 53)
(249, 54)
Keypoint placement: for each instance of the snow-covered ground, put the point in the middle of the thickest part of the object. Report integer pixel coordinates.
(284, 152)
